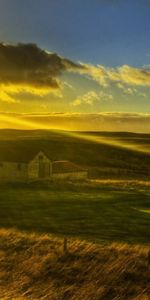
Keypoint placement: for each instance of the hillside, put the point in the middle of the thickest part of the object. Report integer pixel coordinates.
(36, 267)
(105, 154)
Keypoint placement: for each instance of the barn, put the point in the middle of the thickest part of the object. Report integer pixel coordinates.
(29, 166)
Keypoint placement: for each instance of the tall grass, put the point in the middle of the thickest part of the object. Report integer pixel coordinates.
(35, 267)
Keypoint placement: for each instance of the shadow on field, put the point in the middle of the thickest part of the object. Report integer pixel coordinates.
(89, 211)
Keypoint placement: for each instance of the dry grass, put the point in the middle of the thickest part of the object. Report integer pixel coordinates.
(121, 183)
(36, 267)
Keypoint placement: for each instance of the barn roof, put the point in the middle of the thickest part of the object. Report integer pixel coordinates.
(65, 166)
(18, 155)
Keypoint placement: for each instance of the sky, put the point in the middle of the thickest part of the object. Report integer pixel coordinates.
(75, 65)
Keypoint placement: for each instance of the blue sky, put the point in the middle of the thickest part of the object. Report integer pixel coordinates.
(98, 31)
(108, 33)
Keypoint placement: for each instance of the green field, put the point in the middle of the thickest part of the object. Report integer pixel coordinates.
(101, 213)
(98, 212)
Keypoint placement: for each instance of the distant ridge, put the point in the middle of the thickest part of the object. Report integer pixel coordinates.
(28, 132)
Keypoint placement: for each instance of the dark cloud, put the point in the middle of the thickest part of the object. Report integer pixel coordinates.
(28, 64)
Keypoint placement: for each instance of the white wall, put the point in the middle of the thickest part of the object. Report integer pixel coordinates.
(33, 167)
(10, 171)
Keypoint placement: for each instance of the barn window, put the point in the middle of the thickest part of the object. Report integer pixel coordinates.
(1, 165)
(19, 167)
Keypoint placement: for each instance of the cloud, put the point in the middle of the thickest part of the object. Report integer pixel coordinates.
(132, 76)
(4, 96)
(127, 90)
(125, 74)
(76, 121)
(90, 98)
(27, 68)
(68, 85)
(97, 73)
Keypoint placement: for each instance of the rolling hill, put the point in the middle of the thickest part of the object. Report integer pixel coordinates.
(105, 154)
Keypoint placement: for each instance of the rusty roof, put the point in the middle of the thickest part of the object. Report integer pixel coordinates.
(65, 166)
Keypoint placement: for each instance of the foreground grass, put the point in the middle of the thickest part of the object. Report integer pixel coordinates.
(95, 212)
(35, 267)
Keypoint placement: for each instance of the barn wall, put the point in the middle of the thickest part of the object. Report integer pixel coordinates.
(33, 167)
(10, 171)
(71, 176)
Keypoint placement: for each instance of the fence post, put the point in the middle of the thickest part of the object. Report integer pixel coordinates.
(65, 245)
(148, 258)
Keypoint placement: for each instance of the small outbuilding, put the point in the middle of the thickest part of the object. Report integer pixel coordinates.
(28, 166)
(67, 170)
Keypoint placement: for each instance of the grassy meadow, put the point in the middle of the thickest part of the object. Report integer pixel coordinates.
(106, 220)
(93, 211)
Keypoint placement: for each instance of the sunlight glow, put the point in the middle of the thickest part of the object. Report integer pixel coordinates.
(108, 141)
(26, 124)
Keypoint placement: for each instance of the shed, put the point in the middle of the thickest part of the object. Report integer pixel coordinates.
(67, 170)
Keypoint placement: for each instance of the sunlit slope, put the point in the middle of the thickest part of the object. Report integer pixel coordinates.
(132, 141)
(97, 151)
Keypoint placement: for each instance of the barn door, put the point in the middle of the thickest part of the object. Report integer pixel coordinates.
(44, 168)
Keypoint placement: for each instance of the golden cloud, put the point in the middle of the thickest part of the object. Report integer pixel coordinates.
(91, 97)
(8, 92)
(124, 75)
(77, 121)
